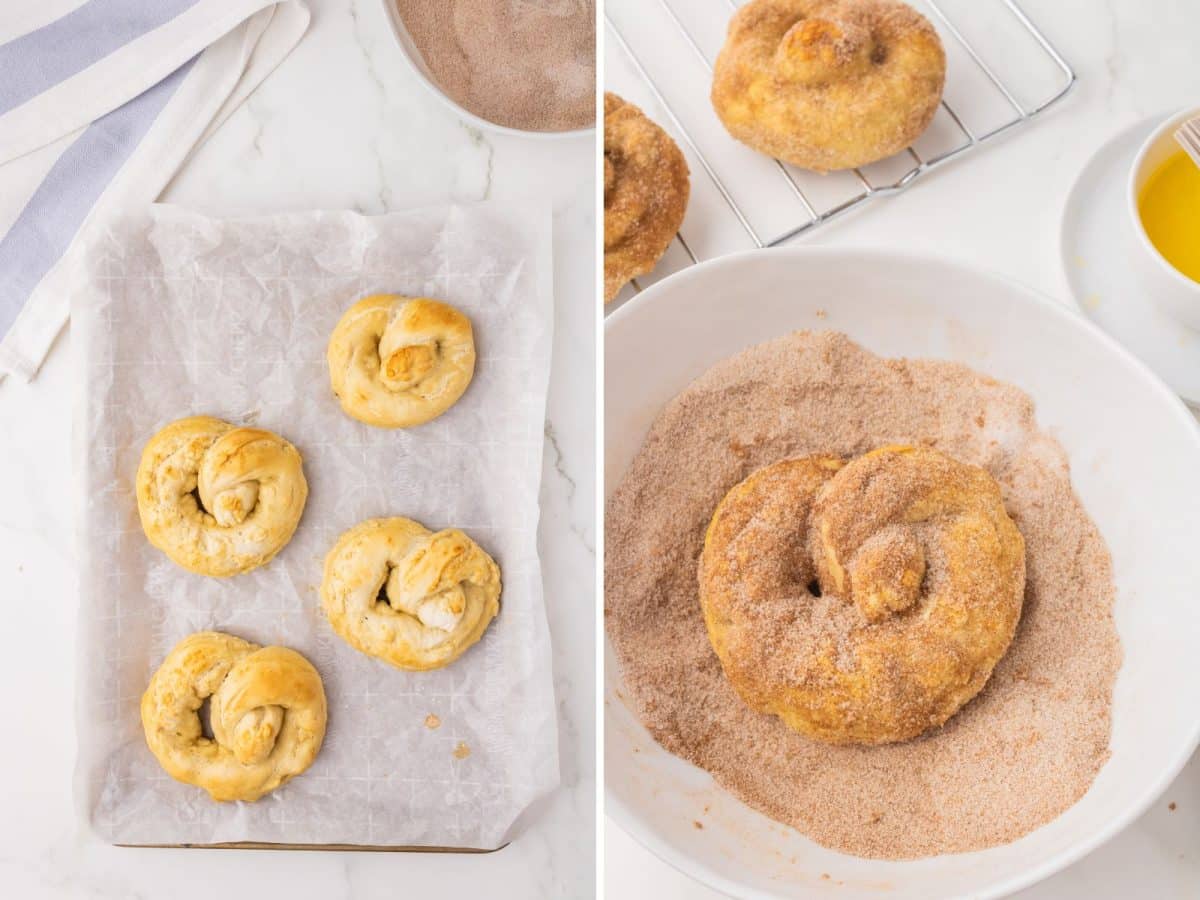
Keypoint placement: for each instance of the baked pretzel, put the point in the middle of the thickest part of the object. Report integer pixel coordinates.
(828, 84)
(266, 710)
(645, 193)
(397, 361)
(217, 499)
(414, 598)
(862, 602)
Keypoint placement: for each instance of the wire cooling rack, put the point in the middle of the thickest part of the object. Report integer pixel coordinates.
(1002, 71)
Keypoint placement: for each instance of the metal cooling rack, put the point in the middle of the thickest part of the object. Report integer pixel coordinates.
(818, 215)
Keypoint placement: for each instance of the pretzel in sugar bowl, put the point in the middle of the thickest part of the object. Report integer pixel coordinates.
(862, 602)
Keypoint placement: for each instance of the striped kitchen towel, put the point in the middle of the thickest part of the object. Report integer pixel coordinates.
(101, 102)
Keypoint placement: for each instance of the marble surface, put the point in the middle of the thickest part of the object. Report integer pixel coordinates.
(1001, 210)
(341, 124)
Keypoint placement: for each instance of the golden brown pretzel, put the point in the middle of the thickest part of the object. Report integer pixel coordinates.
(397, 361)
(414, 598)
(828, 84)
(645, 193)
(217, 499)
(267, 712)
(862, 602)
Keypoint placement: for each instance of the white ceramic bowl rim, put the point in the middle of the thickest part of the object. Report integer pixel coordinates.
(400, 33)
(628, 818)
(1131, 195)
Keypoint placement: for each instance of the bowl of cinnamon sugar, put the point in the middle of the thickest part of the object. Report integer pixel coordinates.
(735, 364)
(514, 67)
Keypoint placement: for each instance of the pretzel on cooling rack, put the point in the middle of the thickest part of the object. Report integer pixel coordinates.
(828, 84)
(645, 193)
(266, 711)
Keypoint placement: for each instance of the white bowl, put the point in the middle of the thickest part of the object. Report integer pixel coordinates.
(1167, 286)
(408, 49)
(1135, 455)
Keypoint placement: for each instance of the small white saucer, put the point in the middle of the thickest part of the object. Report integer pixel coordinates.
(1097, 244)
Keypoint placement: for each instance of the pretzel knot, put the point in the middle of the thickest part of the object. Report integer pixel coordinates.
(399, 361)
(862, 602)
(217, 499)
(266, 710)
(828, 84)
(411, 597)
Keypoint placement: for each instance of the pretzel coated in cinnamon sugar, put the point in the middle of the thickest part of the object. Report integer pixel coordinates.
(645, 193)
(828, 84)
(862, 602)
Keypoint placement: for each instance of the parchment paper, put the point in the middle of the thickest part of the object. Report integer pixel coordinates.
(181, 314)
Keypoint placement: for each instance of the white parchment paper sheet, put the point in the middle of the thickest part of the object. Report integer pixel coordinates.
(184, 315)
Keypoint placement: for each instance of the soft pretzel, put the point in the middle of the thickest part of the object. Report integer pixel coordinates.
(862, 602)
(266, 711)
(217, 499)
(828, 84)
(399, 361)
(414, 598)
(645, 193)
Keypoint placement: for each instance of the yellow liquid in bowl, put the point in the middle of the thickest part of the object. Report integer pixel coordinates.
(1169, 205)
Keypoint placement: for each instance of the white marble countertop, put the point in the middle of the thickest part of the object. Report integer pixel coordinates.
(1001, 210)
(341, 124)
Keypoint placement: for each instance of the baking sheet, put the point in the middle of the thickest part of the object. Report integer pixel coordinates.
(178, 314)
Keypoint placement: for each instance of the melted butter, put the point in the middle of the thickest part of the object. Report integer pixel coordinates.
(1169, 206)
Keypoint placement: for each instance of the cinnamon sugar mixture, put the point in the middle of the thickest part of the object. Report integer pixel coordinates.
(527, 64)
(1015, 757)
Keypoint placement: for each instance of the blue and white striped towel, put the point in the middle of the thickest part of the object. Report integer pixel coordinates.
(101, 101)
